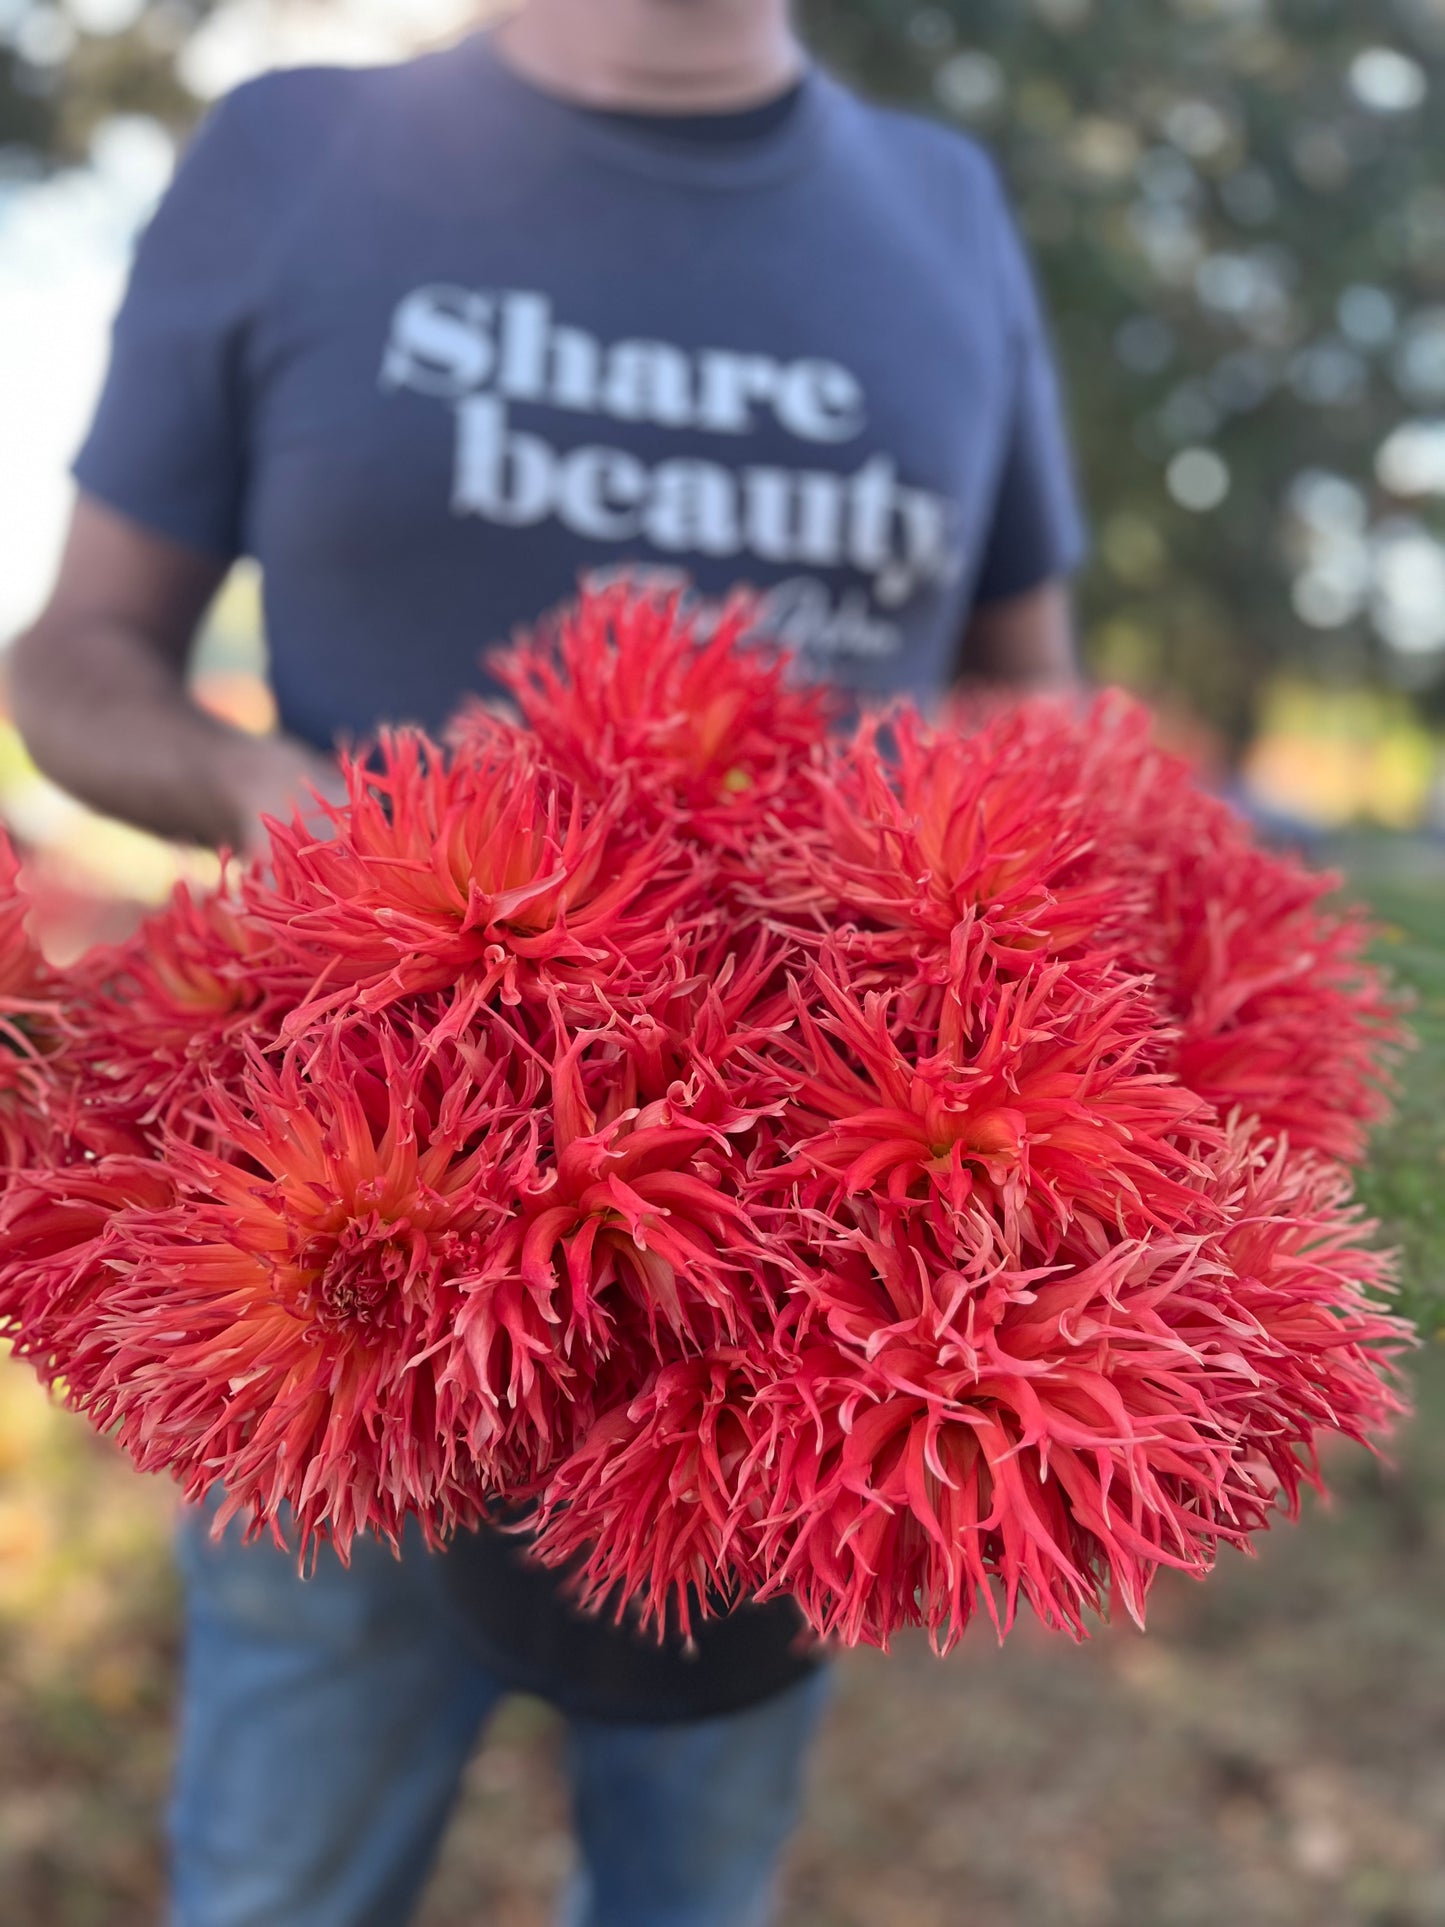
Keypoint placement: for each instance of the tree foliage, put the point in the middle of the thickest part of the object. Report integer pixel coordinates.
(1238, 212)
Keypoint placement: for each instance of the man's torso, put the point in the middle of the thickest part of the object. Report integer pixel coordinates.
(501, 343)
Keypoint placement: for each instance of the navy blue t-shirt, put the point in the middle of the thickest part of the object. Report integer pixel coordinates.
(430, 344)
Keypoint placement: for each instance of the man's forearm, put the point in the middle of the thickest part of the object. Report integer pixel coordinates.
(114, 726)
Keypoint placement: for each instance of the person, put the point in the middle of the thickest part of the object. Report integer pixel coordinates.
(616, 286)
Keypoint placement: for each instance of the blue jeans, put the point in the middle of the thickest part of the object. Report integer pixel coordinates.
(326, 1722)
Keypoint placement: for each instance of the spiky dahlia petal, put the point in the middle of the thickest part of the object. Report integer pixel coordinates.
(31, 1000)
(657, 1511)
(289, 1320)
(152, 1019)
(934, 1443)
(492, 870)
(701, 725)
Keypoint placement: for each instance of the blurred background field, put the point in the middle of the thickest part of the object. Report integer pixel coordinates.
(1237, 208)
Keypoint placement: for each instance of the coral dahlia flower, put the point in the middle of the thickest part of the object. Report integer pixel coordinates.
(658, 1509)
(290, 1322)
(932, 841)
(704, 730)
(30, 995)
(1050, 1114)
(1281, 1016)
(632, 1224)
(54, 1223)
(154, 1019)
(491, 870)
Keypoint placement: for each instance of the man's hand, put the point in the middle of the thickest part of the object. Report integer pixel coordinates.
(99, 692)
(274, 776)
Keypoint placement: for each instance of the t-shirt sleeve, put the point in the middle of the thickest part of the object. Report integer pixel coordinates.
(167, 446)
(1035, 526)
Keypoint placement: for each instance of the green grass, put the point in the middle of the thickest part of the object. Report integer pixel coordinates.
(1404, 1186)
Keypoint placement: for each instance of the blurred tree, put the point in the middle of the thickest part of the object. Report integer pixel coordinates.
(1238, 213)
(66, 68)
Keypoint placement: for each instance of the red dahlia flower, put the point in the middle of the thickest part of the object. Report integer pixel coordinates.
(291, 1321)
(631, 1224)
(54, 1226)
(30, 999)
(659, 1506)
(155, 1019)
(945, 849)
(704, 730)
(491, 871)
(1281, 1016)
(1049, 1114)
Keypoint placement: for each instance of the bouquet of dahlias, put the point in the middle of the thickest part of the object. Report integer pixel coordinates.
(906, 1171)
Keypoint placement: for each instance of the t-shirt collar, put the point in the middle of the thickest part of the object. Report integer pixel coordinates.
(723, 164)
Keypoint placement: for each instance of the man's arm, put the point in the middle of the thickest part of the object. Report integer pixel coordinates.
(98, 687)
(1024, 643)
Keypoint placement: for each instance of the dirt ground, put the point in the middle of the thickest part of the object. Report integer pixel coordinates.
(1270, 1754)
